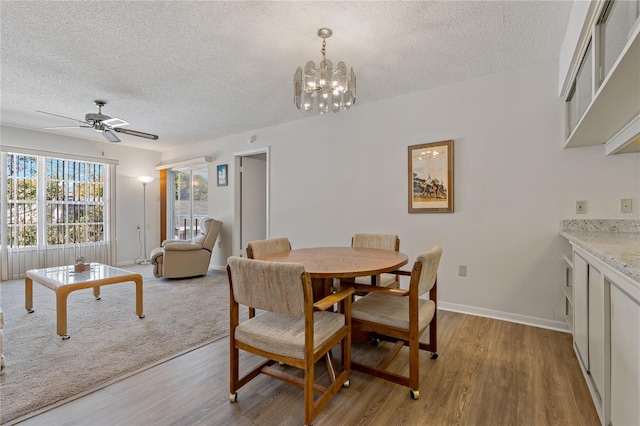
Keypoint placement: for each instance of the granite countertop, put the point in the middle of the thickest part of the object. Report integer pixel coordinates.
(615, 242)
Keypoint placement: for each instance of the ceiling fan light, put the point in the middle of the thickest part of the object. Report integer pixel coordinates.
(115, 122)
(110, 136)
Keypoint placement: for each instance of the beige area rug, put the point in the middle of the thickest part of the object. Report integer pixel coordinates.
(107, 339)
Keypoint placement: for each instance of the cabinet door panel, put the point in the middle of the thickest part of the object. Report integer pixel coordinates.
(597, 302)
(625, 359)
(580, 308)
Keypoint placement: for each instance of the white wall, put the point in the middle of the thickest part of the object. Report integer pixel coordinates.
(338, 174)
(129, 205)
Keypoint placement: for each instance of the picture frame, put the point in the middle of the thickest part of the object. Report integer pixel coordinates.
(222, 175)
(431, 177)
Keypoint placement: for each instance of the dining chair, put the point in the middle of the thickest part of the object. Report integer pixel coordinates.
(292, 330)
(400, 316)
(379, 241)
(259, 248)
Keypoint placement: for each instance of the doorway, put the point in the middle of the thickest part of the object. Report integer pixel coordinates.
(252, 199)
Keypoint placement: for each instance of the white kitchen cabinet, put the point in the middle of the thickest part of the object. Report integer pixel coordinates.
(604, 56)
(597, 301)
(581, 308)
(589, 337)
(606, 335)
(625, 358)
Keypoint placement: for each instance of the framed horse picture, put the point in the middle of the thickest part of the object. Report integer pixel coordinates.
(431, 177)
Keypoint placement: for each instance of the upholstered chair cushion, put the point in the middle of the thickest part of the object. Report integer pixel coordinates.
(391, 310)
(284, 333)
(286, 297)
(259, 248)
(199, 239)
(380, 241)
(430, 261)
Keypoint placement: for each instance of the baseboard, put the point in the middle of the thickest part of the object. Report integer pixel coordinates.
(505, 316)
(463, 309)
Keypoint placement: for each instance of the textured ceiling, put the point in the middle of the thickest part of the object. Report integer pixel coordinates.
(195, 71)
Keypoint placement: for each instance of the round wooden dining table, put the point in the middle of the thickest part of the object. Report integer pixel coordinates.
(326, 263)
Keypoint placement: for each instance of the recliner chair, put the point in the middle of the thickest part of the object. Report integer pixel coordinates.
(182, 259)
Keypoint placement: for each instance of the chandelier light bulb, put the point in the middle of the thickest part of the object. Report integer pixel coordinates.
(316, 87)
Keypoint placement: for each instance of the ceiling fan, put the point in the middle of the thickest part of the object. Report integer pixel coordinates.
(103, 124)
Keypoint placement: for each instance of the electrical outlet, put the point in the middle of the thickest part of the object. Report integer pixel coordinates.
(138, 228)
(625, 205)
(462, 270)
(581, 206)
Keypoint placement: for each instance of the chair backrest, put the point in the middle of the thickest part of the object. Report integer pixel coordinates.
(269, 286)
(379, 241)
(210, 228)
(429, 262)
(259, 248)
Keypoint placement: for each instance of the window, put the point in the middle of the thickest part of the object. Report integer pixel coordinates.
(22, 200)
(75, 202)
(53, 210)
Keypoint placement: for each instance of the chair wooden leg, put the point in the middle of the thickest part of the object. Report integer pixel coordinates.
(234, 373)
(414, 364)
(309, 380)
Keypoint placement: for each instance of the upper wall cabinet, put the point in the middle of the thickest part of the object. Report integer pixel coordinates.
(601, 85)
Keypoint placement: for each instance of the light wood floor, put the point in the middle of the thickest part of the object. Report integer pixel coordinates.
(489, 372)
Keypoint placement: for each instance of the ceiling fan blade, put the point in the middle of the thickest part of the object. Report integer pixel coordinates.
(136, 133)
(110, 136)
(68, 127)
(62, 116)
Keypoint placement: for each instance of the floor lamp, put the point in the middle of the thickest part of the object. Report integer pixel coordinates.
(145, 180)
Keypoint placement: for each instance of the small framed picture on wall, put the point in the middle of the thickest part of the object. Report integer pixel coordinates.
(222, 175)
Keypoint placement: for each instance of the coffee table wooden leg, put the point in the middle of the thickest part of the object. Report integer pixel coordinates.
(139, 311)
(96, 292)
(28, 294)
(61, 312)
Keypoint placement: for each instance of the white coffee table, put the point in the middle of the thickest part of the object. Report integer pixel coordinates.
(63, 280)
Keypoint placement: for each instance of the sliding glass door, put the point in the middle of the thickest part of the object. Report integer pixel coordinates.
(190, 201)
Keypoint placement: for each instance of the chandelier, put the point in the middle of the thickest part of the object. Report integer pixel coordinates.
(324, 88)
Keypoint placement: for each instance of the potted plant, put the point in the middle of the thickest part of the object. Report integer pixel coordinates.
(80, 266)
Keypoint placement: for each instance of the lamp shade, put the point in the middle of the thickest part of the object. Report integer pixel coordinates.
(146, 179)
